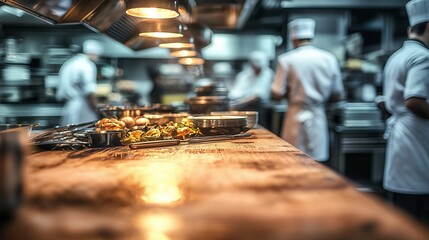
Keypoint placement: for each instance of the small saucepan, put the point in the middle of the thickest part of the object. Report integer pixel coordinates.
(103, 139)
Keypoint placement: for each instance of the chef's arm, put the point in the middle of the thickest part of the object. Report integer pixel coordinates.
(92, 101)
(279, 85)
(276, 96)
(418, 106)
(335, 97)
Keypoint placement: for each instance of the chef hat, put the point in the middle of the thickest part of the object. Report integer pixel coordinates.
(92, 47)
(302, 28)
(418, 11)
(258, 59)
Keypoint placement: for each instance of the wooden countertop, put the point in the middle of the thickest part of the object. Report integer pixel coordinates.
(254, 188)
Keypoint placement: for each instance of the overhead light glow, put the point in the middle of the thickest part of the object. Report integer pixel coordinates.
(152, 13)
(183, 53)
(160, 34)
(191, 61)
(153, 9)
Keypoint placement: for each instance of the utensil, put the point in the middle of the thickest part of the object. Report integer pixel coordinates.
(62, 130)
(57, 144)
(173, 142)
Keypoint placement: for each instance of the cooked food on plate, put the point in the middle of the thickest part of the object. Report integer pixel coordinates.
(109, 124)
(170, 130)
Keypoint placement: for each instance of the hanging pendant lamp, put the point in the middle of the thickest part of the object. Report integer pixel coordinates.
(163, 29)
(180, 53)
(154, 9)
(192, 61)
(178, 43)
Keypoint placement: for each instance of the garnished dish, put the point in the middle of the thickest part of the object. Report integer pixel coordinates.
(113, 124)
(167, 131)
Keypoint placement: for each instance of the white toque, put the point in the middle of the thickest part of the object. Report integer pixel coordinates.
(302, 28)
(93, 47)
(418, 11)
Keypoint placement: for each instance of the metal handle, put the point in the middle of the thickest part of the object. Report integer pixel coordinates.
(160, 143)
(217, 138)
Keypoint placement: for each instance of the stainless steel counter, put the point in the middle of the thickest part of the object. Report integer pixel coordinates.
(46, 114)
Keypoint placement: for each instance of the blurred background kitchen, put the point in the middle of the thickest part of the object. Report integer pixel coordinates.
(360, 33)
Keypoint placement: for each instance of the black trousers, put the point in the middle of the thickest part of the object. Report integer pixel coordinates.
(416, 205)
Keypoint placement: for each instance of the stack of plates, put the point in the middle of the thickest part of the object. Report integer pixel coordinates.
(252, 116)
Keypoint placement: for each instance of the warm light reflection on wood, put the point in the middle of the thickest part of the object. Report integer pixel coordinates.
(162, 183)
(157, 225)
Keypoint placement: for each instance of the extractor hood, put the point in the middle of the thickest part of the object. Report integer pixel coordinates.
(108, 17)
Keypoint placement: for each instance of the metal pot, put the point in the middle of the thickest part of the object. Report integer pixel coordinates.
(211, 90)
(207, 104)
(105, 139)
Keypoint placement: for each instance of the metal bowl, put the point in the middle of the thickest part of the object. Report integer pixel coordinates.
(220, 125)
(252, 116)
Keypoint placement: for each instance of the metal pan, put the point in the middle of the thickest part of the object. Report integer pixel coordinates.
(59, 130)
(104, 139)
(80, 140)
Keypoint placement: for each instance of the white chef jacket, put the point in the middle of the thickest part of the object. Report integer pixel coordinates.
(247, 84)
(406, 75)
(77, 80)
(309, 76)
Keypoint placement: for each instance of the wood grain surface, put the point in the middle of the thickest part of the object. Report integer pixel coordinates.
(254, 188)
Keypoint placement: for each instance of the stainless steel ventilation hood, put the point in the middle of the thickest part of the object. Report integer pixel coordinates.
(108, 17)
(103, 16)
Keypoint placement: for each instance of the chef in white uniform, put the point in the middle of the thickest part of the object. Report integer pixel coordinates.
(254, 80)
(308, 77)
(77, 84)
(406, 88)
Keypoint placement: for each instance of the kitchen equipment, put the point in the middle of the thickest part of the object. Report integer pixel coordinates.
(207, 104)
(81, 139)
(62, 131)
(211, 90)
(175, 117)
(252, 116)
(104, 139)
(120, 112)
(16, 72)
(173, 142)
(220, 125)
